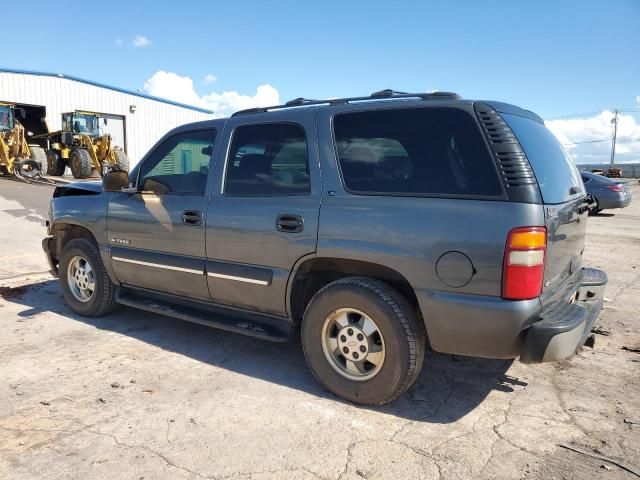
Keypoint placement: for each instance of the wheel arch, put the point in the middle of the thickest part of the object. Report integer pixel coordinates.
(313, 273)
(65, 231)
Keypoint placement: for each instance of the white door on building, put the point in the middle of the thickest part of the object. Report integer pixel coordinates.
(114, 126)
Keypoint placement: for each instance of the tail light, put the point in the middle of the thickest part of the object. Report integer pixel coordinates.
(615, 188)
(524, 258)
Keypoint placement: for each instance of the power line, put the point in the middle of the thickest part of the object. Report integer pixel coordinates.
(588, 141)
(575, 115)
(578, 116)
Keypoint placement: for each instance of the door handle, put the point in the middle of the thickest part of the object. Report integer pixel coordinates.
(192, 217)
(289, 223)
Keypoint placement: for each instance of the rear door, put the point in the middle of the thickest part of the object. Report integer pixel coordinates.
(563, 194)
(263, 216)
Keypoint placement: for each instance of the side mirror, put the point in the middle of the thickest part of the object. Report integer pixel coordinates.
(115, 181)
(207, 151)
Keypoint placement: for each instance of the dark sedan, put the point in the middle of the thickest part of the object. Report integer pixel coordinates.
(607, 192)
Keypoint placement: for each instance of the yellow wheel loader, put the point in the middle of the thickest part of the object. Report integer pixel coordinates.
(80, 146)
(17, 157)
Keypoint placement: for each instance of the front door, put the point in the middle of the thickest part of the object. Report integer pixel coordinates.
(264, 215)
(157, 236)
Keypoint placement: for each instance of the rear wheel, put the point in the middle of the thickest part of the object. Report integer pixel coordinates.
(122, 160)
(80, 163)
(595, 210)
(85, 283)
(39, 156)
(55, 164)
(363, 340)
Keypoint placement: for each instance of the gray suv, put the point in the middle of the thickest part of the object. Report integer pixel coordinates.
(375, 225)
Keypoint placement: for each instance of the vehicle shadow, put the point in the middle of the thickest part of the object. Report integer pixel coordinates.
(448, 388)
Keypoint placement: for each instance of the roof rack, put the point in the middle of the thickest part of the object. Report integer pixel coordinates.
(382, 94)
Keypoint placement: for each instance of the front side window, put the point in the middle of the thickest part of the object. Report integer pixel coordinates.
(268, 159)
(420, 151)
(180, 165)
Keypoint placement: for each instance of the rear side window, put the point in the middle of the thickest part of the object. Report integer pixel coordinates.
(420, 151)
(557, 175)
(268, 159)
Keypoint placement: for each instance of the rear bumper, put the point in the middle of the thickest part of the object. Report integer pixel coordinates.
(48, 245)
(564, 327)
(491, 327)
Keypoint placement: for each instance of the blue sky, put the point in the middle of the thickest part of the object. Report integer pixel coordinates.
(557, 58)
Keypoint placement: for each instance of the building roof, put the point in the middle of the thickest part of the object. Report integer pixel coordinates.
(102, 85)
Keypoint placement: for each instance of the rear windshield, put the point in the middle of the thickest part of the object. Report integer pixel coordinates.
(557, 175)
(420, 151)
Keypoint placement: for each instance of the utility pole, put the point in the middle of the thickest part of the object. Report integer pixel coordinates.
(614, 120)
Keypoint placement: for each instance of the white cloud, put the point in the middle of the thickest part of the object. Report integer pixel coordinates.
(173, 87)
(180, 89)
(209, 79)
(141, 41)
(638, 99)
(573, 133)
(119, 42)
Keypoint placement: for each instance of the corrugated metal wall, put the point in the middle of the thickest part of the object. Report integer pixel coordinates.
(151, 120)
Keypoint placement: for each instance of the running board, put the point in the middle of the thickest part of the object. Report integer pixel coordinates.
(265, 327)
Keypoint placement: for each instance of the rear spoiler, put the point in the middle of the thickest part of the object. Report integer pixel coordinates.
(513, 110)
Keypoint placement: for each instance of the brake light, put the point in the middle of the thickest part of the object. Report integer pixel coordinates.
(524, 258)
(615, 188)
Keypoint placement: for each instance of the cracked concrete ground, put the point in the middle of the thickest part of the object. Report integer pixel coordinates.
(137, 396)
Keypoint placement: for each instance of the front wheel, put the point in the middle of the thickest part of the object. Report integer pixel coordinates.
(80, 163)
(363, 341)
(85, 283)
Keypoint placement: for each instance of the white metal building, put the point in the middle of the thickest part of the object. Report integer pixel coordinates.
(135, 120)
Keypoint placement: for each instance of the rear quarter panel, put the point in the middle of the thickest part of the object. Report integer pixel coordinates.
(409, 235)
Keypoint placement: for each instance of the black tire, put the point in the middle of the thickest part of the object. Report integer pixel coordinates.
(80, 163)
(595, 210)
(403, 333)
(103, 300)
(55, 164)
(39, 156)
(122, 160)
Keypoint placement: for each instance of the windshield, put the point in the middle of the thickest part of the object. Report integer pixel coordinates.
(85, 123)
(6, 118)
